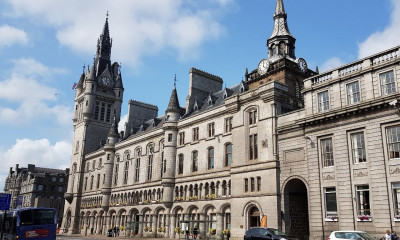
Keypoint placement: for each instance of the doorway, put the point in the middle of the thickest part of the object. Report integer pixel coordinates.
(296, 209)
(254, 217)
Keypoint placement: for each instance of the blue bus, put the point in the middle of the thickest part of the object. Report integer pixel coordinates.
(29, 223)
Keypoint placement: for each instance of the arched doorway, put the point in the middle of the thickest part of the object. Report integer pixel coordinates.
(296, 209)
(254, 217)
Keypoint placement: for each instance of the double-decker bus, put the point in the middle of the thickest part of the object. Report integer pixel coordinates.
(29, 223)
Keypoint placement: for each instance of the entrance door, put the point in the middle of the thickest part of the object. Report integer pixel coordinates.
(254, 217)
(296, 209)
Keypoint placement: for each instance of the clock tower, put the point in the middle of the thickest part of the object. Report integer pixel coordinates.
(281, 65)
(98, 99)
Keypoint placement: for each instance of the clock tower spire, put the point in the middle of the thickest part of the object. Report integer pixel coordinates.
(281, 42)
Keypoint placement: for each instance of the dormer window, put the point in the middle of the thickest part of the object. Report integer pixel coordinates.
(241, 89)
(209, 102)
(225, 96)
(154, 124)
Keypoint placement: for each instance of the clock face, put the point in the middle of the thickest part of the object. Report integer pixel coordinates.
(263, 66)
(302, 64)
(105, 80)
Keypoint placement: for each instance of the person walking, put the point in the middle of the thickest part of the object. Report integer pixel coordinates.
(387, 235)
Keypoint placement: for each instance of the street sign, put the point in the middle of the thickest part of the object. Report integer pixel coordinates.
(5, 200)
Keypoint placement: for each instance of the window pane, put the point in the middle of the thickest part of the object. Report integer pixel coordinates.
(358, 147)
(393, 135)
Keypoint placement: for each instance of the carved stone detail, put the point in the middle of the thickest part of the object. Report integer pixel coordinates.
(328, 177)
(360, 174)
(395, 171)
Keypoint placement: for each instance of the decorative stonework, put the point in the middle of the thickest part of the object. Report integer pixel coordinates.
(395, 171)
(360, 174)
(328, 177)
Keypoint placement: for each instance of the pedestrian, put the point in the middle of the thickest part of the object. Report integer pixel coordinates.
(91, 230)
(195, 232)
(394, 236)
(387, 235)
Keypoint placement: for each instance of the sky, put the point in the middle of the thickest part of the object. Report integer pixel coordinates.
(44, 45)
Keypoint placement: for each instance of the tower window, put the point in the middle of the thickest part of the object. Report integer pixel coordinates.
(211, 158)
(180, 164)
(170, 137)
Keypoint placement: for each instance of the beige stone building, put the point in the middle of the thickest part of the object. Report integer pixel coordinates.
(311, 152)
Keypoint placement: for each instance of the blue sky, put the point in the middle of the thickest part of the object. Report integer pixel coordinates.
(45, 43)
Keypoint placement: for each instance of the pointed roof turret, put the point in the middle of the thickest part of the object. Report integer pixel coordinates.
(173, 105)
(103, 53)
(81, 80)
(114, 129)
(118, 81)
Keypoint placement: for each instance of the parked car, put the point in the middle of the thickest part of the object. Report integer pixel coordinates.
(260, 233)
(358, 235)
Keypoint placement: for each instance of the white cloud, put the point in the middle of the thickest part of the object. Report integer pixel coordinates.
(387, 38)
(39, 102)
(10, 36)
(121, 124)
(139, 28)
(330, 64)
(39, 152)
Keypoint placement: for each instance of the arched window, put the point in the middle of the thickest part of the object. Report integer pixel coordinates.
(100, 163)
(137, 165)
(126, 169)
(94, 164)
(195, 166)
(180, 164)
(211, 158)
(127, 155)
(150, 163)
(98, 181)
(228, 155)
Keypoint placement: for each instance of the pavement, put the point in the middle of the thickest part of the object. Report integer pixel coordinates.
(103, 237)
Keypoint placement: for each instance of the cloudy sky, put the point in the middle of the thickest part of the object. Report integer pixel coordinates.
(45, 43)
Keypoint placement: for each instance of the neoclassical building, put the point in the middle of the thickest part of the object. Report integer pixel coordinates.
(312, 152)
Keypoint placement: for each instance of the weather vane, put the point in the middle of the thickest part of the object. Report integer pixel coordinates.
(107, 14)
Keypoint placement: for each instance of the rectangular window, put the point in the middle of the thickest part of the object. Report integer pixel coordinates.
(53, 179)
(60, 189)
(330, 203)
(258, 184)
(252, 117)
(323, 101)
(211, 130)
(363, 202)
(40, 187)
(253, 149)
(181, 138)
(108, 156)
(353, 93)
(61, 179)
(98, 181)
(358, 147)
(137, 166)
(195, 134)
(228, 125)
(116, 174)
(252, 184)
(393, 138)
(396, 200)
(387, 83)
(210, 158)
(246, 185)
(228, 155)
(327, 152)
(170, 137)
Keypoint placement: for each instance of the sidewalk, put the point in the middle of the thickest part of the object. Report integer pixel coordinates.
(110, 238)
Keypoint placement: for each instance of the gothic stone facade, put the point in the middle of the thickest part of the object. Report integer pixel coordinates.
(311, 152)
(37, 187)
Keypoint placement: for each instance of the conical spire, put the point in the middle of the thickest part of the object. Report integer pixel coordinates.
(103, 53)
(173, 105)
(280, 25)
(280, 9)
(114, 129)
(81, 80)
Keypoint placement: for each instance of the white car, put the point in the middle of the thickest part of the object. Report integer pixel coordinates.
(357, 235)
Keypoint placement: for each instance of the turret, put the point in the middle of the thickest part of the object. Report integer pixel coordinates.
(172, 115)
(109, 149)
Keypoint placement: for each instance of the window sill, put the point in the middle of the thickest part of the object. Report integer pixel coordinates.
(227, 134)
(331, 220)
(194, 142)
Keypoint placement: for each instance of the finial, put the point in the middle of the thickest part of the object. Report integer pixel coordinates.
(83, 68)
(317, 70)
(107, 14)
(119, 68)
(94, 57)
(175, 81)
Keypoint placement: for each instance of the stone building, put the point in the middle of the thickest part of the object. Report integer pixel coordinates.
(312, 152)
(37, 187)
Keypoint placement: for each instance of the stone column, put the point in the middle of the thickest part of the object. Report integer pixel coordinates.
(172, 224)
(128, 219)
(141, 225)
(108, 223)
(202, 225)
(167, 219)
(220, 225)
(154, 224)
